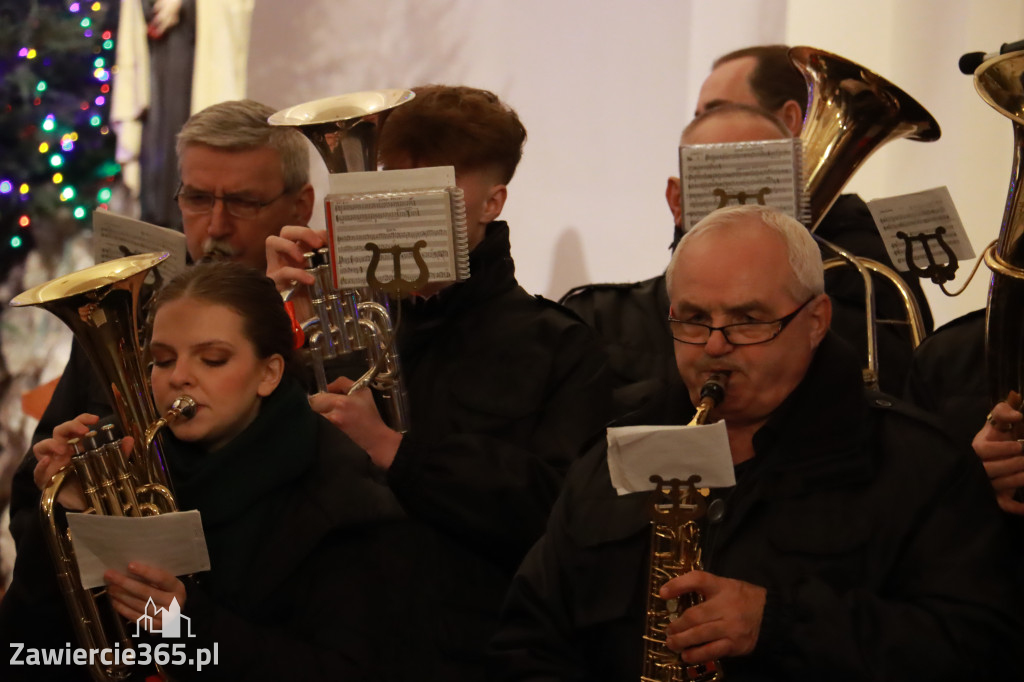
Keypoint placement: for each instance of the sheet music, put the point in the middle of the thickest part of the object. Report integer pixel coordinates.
(916, 214)
(635, 453)
(172, 541)
(768, 172)
(117, 236)
(397, 209)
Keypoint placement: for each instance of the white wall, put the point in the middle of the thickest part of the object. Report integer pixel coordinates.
(917, 45)
(604, 87)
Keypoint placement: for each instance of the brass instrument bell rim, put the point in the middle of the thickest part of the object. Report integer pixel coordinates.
(88, 279)
(804, 58)
(1003, 65)
(340, 108)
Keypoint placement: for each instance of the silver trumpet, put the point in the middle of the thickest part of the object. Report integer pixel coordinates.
(345, 131)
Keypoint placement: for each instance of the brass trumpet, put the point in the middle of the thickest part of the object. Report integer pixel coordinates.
(100, 305)
(677, 509)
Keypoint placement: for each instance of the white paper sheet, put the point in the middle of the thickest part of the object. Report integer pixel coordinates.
(915, 214)
(172, 541)
(635, 453)
(116, 236)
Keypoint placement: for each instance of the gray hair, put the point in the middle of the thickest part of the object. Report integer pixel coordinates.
(239, 125)
(802, 249)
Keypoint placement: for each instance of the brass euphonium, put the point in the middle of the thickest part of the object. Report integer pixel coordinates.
(100, 305)
(677, 510)
(852, 112)
(345, 130)
(1000, 82)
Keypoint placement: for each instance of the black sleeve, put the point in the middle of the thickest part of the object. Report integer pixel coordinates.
(535, 640)
(78, 391)
(947, 608)
(336, 618)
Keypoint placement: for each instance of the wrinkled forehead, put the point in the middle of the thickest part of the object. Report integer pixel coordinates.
(245, 168)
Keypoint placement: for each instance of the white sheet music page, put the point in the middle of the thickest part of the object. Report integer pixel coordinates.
(917, 214)
(769, 172)
(396, 209)
(635, 453)
(172, 541)
(117, 236)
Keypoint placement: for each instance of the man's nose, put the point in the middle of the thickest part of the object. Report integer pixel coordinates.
(220, 220)
(717, 344)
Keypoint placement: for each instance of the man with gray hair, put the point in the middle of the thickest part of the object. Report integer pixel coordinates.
(830, 558)
(242, 180)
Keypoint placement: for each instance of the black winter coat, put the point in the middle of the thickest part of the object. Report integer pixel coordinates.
(948, 377)
(316, 598)
(880, 545)
(506, 391)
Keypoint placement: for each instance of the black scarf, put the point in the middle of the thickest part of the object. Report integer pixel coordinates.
(240, 488)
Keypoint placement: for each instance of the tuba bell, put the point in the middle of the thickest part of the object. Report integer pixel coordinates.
(100, 306)
(345, 130)
(1000, 82)
(852, 112)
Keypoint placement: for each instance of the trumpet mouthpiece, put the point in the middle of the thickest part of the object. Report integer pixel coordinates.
(184, 406)
(714, 388)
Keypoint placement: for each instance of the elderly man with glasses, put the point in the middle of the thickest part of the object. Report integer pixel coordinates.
(857, 542)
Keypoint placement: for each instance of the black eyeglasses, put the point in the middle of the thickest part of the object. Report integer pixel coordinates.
(197, 203)
(739, 334)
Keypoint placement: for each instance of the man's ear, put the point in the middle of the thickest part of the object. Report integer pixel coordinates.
(674, 197)
(302, 208)
(495, 201)
(792, 116)
(820, 312)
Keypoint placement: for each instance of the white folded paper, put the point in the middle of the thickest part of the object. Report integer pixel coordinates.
(635, 453)
(173, 542)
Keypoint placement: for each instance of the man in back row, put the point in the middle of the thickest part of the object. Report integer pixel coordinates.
(831, 557)
(764, 78)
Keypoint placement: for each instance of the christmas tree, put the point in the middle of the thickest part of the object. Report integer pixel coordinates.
(56, 148)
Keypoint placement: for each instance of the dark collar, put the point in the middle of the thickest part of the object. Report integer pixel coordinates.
(491, 273)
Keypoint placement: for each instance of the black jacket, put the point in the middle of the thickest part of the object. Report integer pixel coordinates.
(630, 318)
(880, 546)
(948, 377)
(506, 391)
(316, 598)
